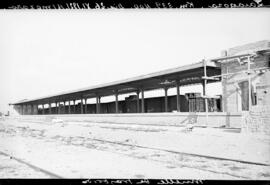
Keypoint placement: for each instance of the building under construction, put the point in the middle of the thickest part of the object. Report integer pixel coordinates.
(243, 72)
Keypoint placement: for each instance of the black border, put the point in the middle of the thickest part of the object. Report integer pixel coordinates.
(133, 4)
(129, 181)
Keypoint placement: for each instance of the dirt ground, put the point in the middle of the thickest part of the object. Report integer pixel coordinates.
(56, 149)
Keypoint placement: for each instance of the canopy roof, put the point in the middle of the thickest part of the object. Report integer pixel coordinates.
(185, 75)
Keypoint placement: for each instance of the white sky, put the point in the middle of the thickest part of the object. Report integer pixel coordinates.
(47, 52)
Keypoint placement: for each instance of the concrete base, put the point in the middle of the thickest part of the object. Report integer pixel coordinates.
(217, 119)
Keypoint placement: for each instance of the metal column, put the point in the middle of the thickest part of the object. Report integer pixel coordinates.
(249, 85)
(64, 107)
(138, 101)
(74, 106)
(204, 86)
(85, 106)
(116, 102)
(166, 99)
(31, 109)
(56, 111)
(204, 91)
(21, 109)
(178, 96)
(50, 108)
(43, 111)
(97, 105)
(142, 91)
(69, 107)
(81, 106)
(58, 107)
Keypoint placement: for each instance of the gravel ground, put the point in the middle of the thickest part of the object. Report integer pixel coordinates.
(10, 168)
(71, 145)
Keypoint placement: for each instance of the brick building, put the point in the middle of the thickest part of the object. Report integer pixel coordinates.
(246, 76)
(245, 72)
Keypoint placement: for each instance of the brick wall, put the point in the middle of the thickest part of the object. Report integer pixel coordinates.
(230, 84)
(251, 47)
(257, 120)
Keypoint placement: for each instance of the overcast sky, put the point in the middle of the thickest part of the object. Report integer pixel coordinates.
(47, 52)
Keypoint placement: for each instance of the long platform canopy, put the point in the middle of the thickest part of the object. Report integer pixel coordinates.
(184, 75)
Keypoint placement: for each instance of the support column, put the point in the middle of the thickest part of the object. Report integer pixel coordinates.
(249, 86)
(64, 107)
(55, 108)
(81, 106)
(204, 87)
(166, 99)
(142, 91)
(74, 106)
(58, 108)
(25, 109)
(23, 112)
(69, 107)
(97, 105)
(43, 110)
(178, 96)
(31, 109)
(28, 110)
(50, 108)
(85, 100)
(138, 101)
(116, 102)
(21, 109)
(204, 92)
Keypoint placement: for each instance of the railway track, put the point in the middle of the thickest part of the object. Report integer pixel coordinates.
(35, 168)
(115, 143)
(183, 153)
(186, 154)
